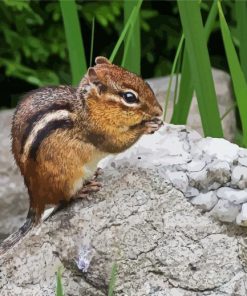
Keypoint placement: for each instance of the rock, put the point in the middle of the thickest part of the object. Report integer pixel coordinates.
(224, 94)
(160, 243)
(205, 201)
(242, 161)
(196, 166)
(179, 180)
(234, 196)
(242, 152)
(209, 177)
(242, 217)
(219, 149)
(239, 176)
(191, 192)
(225, 211)
(13, 196)
(219, 171)
(199, 179)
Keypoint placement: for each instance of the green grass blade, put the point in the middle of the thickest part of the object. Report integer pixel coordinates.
(171, 76)
(181, 110)
(112, 280)
(238, 79)
(200, 67)
(131, 20)
(234, 105)
(211, 20)
(182, 107)
(74, 40)
(92, 42)
(241, 17)
(59, 290)
(177, 77)
(132, 42)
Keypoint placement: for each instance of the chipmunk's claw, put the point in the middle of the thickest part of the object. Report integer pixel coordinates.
(153, 125)
(98, 173)
(88, 187)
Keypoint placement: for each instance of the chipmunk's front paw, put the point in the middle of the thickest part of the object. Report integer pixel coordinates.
(153, 125)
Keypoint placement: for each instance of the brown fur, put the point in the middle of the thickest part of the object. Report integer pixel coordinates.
(101, 123)
(51, 177)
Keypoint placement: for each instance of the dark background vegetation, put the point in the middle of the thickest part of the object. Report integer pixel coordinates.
(33, 50)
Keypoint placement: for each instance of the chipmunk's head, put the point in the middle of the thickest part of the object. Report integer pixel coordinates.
(120, 106)
(122, 97)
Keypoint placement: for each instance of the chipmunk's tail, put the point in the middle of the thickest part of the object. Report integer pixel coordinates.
(11, 240)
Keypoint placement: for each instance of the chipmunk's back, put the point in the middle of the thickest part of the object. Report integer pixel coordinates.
(48, 102)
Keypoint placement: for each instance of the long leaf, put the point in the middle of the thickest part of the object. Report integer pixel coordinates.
(241, 17)
(182, 107)
(113, 280)
(200, 67)
(132, 18)
(92, 43)
(132, 43)
(171, 76)
(181, 110)
(238, 79)
(59, 289)
(74, 40)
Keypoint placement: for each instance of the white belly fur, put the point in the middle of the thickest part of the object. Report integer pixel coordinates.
(88, 171)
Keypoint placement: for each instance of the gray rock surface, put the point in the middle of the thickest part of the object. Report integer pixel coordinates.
(204, 169)
(205, 201)
(13, 196)
(239, 176)
(161, 243)
(223, 88)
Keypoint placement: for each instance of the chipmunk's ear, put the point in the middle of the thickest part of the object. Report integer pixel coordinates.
(92, 75)
(94, 80)
(102, 60)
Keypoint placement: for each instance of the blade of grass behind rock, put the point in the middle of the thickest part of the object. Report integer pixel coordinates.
(200, 67)
(181, 110)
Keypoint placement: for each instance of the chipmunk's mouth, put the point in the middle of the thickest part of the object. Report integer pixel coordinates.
(151, 120)
(154, 120)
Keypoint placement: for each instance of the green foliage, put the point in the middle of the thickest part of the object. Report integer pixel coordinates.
(238, 79)
(36, 47)
(182, 106)
(59, 289)
(92, 43)
(33, 44)
(112, 280)
(174, 66)
(241, 17)
(127, 30)
(105, 13)
(201, 74)
(74, 39)
(25, 49)
(132, 44)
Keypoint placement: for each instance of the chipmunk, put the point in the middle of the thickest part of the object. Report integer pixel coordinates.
(59, 134)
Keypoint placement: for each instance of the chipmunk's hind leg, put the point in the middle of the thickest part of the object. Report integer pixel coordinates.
(90, 186)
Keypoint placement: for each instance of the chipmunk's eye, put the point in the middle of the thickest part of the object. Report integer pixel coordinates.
(129, 97)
